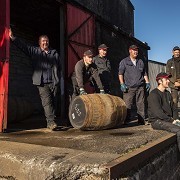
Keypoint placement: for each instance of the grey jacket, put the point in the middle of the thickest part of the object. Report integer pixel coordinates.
(83, 74)
(37, 57)
(102, 63)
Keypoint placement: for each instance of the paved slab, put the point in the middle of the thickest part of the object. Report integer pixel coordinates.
(117, 141)
(28, 153)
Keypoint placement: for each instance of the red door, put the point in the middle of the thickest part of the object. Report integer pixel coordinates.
(81, 34)
(4, 61)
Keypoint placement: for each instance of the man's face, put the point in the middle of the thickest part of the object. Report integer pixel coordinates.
(102, 52)
(164, 82)
(176, 53)
(133, 53)
(44, 43)
(88, 60)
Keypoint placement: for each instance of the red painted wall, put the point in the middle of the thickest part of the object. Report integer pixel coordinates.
(4, 61)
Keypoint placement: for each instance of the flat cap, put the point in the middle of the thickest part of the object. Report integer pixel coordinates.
(102, 46)
(176, 48)
(133, 47)
(88, 53)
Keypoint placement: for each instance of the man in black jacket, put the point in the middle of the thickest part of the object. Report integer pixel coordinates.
(85, 70)
(46, 73)
(161, 108)
(104, 67)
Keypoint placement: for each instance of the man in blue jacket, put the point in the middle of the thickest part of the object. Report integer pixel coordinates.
(133, 78)
(46, 73)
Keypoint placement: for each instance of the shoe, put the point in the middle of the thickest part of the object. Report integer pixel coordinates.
(141, 122)
(126, 122)
(52, 126)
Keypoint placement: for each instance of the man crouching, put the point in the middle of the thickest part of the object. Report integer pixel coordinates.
(85, 70)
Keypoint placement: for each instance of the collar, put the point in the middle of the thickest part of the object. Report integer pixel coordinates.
(101, 57)
(47, 52)
(176, 59)
(129, 61)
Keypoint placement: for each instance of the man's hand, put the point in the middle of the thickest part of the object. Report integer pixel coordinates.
(177, 84)
(11, 34)
(82, 91)
(102, 91)
(148, 87)
(124, 88)
(176, 122)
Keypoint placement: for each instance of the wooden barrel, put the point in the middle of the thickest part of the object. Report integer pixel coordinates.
(19, 109)
(97, 111)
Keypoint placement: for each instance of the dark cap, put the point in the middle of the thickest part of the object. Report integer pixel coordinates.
(133, 47)
(176, 48)
(102, 46)
(163, 75)
(88, 53)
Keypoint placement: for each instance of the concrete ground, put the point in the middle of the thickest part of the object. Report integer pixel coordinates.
(29, 151)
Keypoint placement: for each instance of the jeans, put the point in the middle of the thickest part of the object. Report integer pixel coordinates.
(167, 126)
(48, 93)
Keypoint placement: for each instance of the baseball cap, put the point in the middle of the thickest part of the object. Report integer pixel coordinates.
(176, 48)
(102, 46)
(163, 75)
(133, 47)
(88, 53)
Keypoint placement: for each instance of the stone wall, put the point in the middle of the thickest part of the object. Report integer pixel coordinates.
(165, 165)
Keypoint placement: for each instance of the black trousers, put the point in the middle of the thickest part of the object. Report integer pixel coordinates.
(167, 126)
(138, 94)
(106, 81)
(48, 95)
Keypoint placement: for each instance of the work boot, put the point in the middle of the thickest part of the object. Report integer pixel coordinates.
(52, 125)
(141, 120)
(128, 119)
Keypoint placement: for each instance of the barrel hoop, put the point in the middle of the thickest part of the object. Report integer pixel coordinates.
(95, 116)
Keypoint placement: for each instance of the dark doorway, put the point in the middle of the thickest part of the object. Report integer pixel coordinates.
(28, 20)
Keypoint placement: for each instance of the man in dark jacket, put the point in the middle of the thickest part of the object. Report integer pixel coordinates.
(173, 68)
(133, 78)
(46, 70)
(85, 70)
(104, 67)
(161, 107)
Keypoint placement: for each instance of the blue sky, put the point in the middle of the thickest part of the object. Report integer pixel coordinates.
(157, 22)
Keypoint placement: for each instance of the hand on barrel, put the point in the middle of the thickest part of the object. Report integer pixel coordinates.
(124, 88)
(102, 91)
(176, 122)
(82, 91)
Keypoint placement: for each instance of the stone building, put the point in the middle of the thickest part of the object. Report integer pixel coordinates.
(73, 26)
